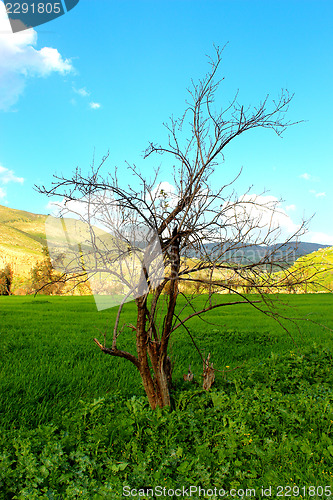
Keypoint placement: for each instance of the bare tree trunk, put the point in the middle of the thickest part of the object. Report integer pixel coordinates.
(157, 386)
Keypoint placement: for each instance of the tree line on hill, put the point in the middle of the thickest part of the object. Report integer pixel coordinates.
(6, 280)
(43, 279)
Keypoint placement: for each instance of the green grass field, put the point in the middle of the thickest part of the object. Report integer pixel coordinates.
(75, 422)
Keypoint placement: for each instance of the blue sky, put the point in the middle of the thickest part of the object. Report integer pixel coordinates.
(106, 75)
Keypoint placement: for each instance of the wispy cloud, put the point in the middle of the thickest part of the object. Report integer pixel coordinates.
(317, 195)
(259, 216)
(316, 237)
(309, 177)
(7, 176)
(83, 92)
(20, 60)
(94, 105)
(290, 208)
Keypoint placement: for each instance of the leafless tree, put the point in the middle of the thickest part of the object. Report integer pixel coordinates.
(208, 237)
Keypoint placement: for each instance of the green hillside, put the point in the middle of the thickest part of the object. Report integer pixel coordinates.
(22, 238)
(320, 262)
(316, 268)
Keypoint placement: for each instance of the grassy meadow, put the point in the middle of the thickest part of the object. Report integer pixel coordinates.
(75, 423)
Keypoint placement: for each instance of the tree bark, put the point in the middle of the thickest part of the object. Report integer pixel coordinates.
(156, 386)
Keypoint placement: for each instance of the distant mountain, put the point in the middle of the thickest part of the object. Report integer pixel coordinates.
(303, 247)
(288, 252)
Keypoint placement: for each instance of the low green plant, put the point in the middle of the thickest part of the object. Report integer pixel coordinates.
(74, 424)
(269, 425)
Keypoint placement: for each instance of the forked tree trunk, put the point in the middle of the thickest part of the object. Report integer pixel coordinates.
(152, 360)
(157, 386)
(156, 378)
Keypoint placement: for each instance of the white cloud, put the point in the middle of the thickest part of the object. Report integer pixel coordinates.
(290, 208)
(94, 105)
(83, 92)
(20, 60)
(317, 237)
(77, 209)
(53, 208)
(165, 192)
(163, 187)
(7, 175)
(305, 176)
(257, 216)
(317, 195)
(96, 209)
